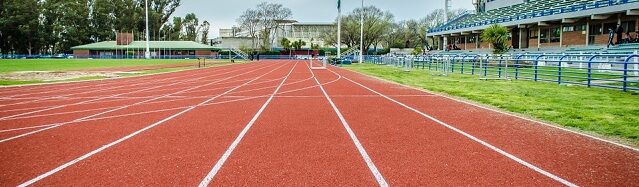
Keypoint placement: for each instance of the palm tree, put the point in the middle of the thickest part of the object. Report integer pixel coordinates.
(497, 36)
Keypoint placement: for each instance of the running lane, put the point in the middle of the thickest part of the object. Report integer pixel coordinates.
(410, 150)
(177, 151)
(25, 158)
(580, 159)
(297, 141)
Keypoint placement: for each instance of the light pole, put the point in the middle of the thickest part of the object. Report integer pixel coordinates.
(147, 53)
(339, 30)
(361, 35)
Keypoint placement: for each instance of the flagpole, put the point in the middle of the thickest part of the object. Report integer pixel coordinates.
(339, 30)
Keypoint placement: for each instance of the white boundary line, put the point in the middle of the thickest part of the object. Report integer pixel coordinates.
(360, 148)
(218, 165)
(83, 157)
(505, 113)
(469, 136)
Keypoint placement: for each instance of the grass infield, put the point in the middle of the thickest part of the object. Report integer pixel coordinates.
(14, 65)
(606, 112)
(63, 65)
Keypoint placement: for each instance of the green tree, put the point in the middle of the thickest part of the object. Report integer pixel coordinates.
(297, 45)
(190, 25)
(20, 27)
(286, 44)
(204, 30)
(102, 20)
(497, 36)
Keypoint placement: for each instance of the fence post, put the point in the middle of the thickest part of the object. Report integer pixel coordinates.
(486, 66)
(560, 68)
(636, 64)
(462, 65)
(590, 70)
(625, 73)
(537, 68)
(499, 69)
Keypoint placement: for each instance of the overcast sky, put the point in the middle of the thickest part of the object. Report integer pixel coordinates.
(223, 13)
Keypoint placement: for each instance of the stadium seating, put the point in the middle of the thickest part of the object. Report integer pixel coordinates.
(532, 9)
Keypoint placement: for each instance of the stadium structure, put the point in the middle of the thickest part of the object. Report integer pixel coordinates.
(537, 25)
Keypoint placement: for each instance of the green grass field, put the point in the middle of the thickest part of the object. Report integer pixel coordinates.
(611, 113)
(13, 65)
(61, 65)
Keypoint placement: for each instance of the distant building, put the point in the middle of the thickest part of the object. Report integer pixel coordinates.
(541, 23)
(306, 31)
(125, 47)
(290, 29)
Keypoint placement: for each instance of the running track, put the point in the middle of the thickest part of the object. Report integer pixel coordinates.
(277, 123)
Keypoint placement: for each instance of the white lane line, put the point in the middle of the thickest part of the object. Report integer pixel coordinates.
(83, 157)
(134, 83)
(508, 114)
(56, 125)
(116, 95)
(218, 165)
(102, 83)
(469, 136)
(369, 162)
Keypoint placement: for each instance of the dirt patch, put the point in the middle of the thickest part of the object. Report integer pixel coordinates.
(142, 68)
(54, 76)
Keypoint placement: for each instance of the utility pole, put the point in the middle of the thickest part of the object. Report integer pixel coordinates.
(147, 53)
(361, 35)
(339, 30)
(446, 6)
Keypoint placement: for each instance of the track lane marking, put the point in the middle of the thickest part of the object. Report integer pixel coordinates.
(360, 148)
(218, 165)
(115, 95)
(506, 113)
(85, 156)
(56, 125)
(469, 136)
(103, 83)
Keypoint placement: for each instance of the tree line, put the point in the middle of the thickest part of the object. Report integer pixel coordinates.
(381, 29)
(54, 26)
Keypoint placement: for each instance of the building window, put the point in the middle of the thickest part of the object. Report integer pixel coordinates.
(580, 28)
(543, 35)
(596, 29)
(555, 35)
(569, 28)
(628, 26)
(534, 34)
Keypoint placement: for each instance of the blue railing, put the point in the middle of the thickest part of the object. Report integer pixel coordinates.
(592, 70)
(542, 13)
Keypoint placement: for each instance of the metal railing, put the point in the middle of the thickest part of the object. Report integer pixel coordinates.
(612, 71)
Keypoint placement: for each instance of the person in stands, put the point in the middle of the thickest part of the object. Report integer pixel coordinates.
(619, 33)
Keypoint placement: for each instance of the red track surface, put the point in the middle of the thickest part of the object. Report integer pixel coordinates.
(271, 123)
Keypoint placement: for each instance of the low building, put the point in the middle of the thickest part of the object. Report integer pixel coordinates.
(541, 23)
(125, 47)
(310, 33)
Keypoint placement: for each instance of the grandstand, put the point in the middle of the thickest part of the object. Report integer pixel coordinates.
(570, 26)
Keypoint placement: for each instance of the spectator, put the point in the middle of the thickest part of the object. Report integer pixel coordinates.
(619, 33)
(611, 36)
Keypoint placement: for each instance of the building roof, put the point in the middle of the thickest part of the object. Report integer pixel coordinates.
(533, 12)
(173, 45)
